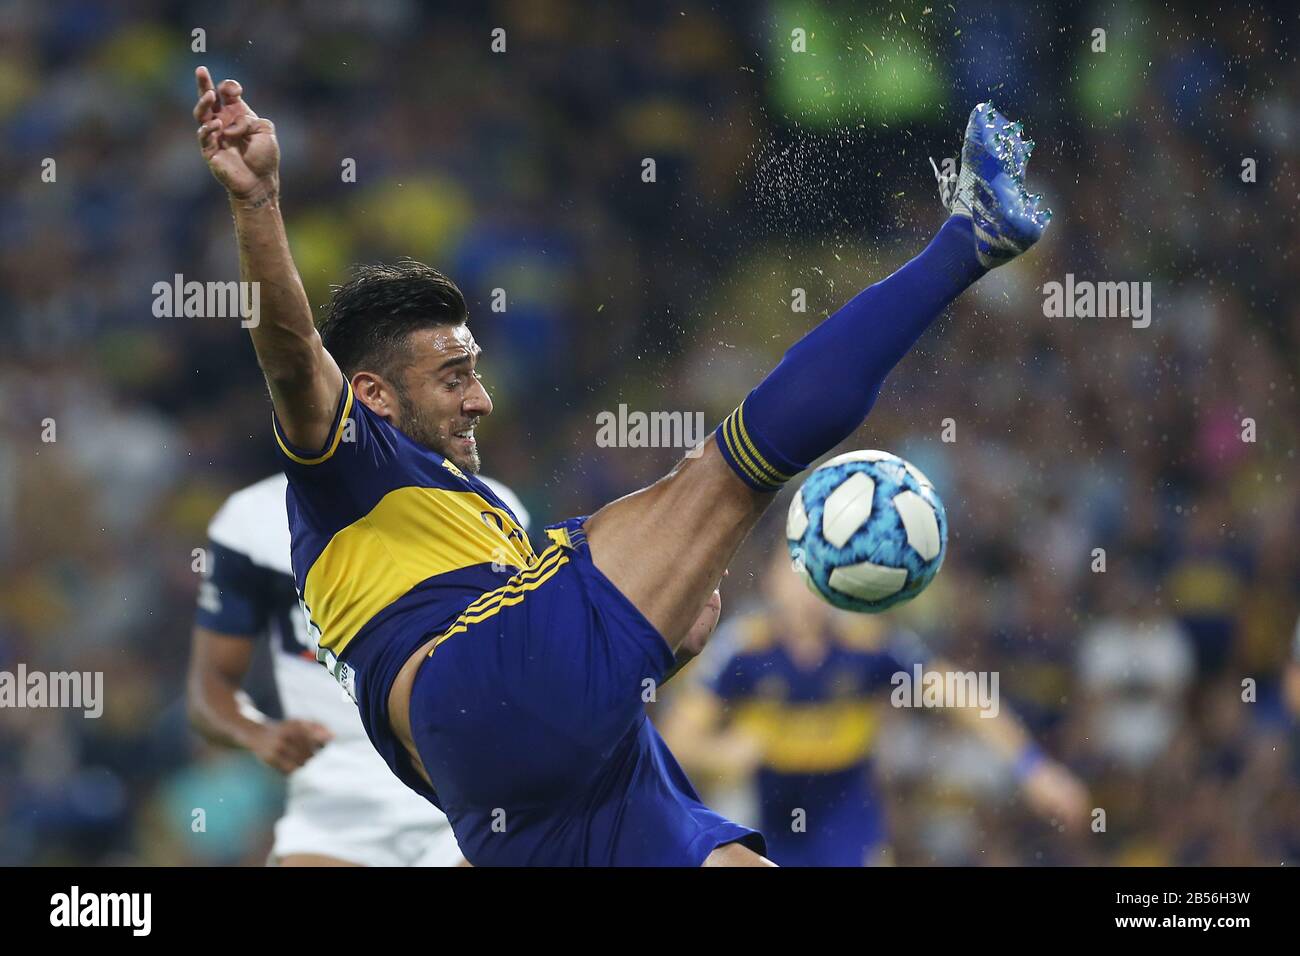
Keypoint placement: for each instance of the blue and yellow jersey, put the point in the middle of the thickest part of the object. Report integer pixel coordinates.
(818, 726)
(390, 543)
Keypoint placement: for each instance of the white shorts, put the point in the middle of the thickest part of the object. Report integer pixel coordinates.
(345, 803)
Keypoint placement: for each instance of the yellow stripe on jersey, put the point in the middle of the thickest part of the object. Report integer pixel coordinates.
(334, 443)
(559, 536)
(811, 738)
(526, 576)
(411, 535)
(508, 594)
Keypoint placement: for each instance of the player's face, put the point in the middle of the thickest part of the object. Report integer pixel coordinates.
(441, 395)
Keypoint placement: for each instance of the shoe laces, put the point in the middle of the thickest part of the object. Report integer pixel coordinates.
(947, 186)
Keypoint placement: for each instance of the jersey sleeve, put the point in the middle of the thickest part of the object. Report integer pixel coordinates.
(235, 595)
(361, 446)
(358, 465)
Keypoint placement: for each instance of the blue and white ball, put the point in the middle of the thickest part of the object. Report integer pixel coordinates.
(867, 531)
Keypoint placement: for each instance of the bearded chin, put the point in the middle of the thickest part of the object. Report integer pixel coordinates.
(469, 465)
(416, 429)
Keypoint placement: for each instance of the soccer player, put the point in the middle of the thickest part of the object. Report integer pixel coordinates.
(517, 707)
(791, 696)
(343, 806)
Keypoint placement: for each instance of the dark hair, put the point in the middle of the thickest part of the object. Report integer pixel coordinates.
(368, 319)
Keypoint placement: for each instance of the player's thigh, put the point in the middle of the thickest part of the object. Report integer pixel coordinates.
(733, 854)
(665, 547)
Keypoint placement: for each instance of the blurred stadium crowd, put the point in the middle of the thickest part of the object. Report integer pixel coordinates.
(775, 171)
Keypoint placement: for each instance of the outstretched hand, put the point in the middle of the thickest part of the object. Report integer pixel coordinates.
(239, 146)
(285, 745)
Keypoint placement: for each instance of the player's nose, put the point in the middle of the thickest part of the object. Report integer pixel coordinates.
(477, 401)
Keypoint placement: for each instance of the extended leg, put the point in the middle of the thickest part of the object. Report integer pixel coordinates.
(665, 547)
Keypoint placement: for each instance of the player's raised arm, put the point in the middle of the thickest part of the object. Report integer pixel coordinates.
(241, 150)
(1049, 787)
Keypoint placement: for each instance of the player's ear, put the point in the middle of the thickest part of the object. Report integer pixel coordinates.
(376, 394)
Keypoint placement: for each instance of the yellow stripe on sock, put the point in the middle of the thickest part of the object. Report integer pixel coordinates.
(741, 457)
(779, 477)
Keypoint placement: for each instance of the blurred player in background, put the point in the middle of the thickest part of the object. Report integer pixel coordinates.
(791, 696)
(344, 806)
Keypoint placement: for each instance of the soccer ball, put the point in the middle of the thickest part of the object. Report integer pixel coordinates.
(867, 531)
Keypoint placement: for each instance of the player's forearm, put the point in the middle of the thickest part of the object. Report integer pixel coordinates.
(288, 346)
(216, 712)
(304, 380)
(1004, 733)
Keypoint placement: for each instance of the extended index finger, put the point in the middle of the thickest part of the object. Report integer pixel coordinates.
(208, 104)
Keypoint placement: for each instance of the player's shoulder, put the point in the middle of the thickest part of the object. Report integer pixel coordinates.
(254, 522)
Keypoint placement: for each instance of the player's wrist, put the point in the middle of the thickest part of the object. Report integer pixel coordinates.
(264, 195)
(251, 734)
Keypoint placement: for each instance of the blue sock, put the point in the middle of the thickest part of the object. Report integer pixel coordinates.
(828, 380)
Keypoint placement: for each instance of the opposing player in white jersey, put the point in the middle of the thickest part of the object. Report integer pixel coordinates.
(344, 806)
